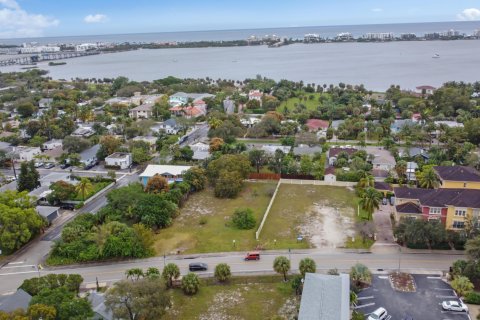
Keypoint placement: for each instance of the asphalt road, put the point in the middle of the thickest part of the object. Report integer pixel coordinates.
(196, 135)
(12, 275)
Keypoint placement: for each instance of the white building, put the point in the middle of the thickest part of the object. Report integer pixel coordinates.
(344, 36)
(52, 144)
(22, 153)
(123, 160)
(86, 46)
(255, 95)
(379, 36)
(311, 37)
(171, 173)
(40, 49)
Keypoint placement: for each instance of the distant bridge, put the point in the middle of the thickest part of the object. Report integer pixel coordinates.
(34, 58)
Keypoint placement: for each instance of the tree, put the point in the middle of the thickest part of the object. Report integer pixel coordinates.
(281, 265)
(257, 158)
(228, 185)
(110, 144)
(155, 211)
(307, 265)
(428, 178)
(222, 272)
(462, 285)
(244, 219)
(370, 200)
(84, 187)
(25, 109)
(186, 153)
(75, 144)
(170, 273)
(142, 299)
(157, 184)
(41, 311)
(472, 248)
(216, 144)
(190, 284)
(28, 179)
(360, 275)
(152, 273)
(196, 177)
(61, 191)
(134, 274)
(19, 221)
(366, 181)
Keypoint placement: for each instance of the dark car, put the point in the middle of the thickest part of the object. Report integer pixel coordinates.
(64, 166)
(67, 206)
(197, 266)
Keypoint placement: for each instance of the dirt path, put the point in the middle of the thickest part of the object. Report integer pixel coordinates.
(328, 227)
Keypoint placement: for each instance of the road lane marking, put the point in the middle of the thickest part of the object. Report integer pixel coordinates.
(364, 298)
(25, 266)
(365, 305)
(17, 262)
(13, 273)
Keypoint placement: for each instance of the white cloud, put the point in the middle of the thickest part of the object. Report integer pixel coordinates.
(377, 9)
(17, 23)
(469, 14)
(95, 18)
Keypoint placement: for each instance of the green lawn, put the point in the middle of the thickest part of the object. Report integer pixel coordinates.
(246, 298)
(203, 224)
(324, 216)
(96, 187)
(311, 104)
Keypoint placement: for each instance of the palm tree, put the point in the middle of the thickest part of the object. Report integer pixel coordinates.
(359, 274)
(170, 272)
(307, 265)
(366, 181)
(370, 200)
(281, 265)
(428, 178)
(134, 274)
(84, 187)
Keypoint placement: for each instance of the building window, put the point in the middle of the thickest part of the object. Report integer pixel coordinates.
(435, 210)
(465, 185)
(460, 212)
(458, 224)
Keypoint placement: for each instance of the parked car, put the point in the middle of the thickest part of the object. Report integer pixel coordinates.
(49, 166)
(64, 166)
(384, 201)
(9, 179)
(378, 314)
(254, 255)
(38, 164)
(454, 306)
(197, 266)
(67, 206)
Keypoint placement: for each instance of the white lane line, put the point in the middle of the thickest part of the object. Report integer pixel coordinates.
(364, 298)
(25, 266)
(382, 277)
(365, 305)
(13, 273)
(18, 262)
(435, 278)
(446, 297)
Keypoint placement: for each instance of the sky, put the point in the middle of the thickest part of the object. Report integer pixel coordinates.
(36, 18)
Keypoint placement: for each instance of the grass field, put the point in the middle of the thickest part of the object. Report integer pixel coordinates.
(242, 298)
(324, 216)
(310, 104)
(203, 224)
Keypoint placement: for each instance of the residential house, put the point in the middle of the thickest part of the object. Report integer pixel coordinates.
(23, 153)
(383, 187)
(49, 213)
(448, 124)
(458, 177)
(19, 300)
(45, 103)
(123, 160)
(330, 175)
(325, 297)
(382, 158)
(182, 98)
(250, 121)
(255, 95)
(101, 312)
(399, 124)
(89, 156)
(413, 152)
(318, 126)
(200, 151)
(336, 124)
(453, 207)
(144, 111)
(169, 126)
(84, 131)
(5, 147)
(427, 90)
(271, 149)
(332, 153)
(52, 144)
(119, 100)
(303, 149)
(171, 173)
(188, 112)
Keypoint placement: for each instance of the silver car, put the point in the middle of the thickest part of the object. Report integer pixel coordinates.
(454, 306)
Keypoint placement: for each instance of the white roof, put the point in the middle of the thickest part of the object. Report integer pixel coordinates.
(153, 169)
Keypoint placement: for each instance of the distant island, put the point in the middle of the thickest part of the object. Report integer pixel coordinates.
(51, 63)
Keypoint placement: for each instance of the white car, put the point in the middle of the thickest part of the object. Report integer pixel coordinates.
(38, 164)
(454, 306)
(378, 314)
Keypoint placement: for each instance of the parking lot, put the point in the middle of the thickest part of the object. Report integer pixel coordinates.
(424, 304)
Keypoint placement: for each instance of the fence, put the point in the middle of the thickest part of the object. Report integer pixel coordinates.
(264, 176)
(257, 234)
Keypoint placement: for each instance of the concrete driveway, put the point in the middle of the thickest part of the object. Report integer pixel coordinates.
(383, 227)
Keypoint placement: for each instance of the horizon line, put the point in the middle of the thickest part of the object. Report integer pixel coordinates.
(238, 29)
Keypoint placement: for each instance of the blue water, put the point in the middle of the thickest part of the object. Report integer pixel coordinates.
(419, 29)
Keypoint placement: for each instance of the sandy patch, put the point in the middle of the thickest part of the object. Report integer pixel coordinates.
(221, 303)
(327, 226)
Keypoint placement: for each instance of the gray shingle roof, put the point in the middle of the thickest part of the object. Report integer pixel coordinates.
(325, 297)
(18, 300)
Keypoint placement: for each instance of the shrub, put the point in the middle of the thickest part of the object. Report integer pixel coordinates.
(244, 219)
(203, 221)
(222, 272)
(472, 298)
(190, 284)
(462, 285)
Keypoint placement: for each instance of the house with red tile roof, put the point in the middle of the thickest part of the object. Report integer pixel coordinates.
(315, 125)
